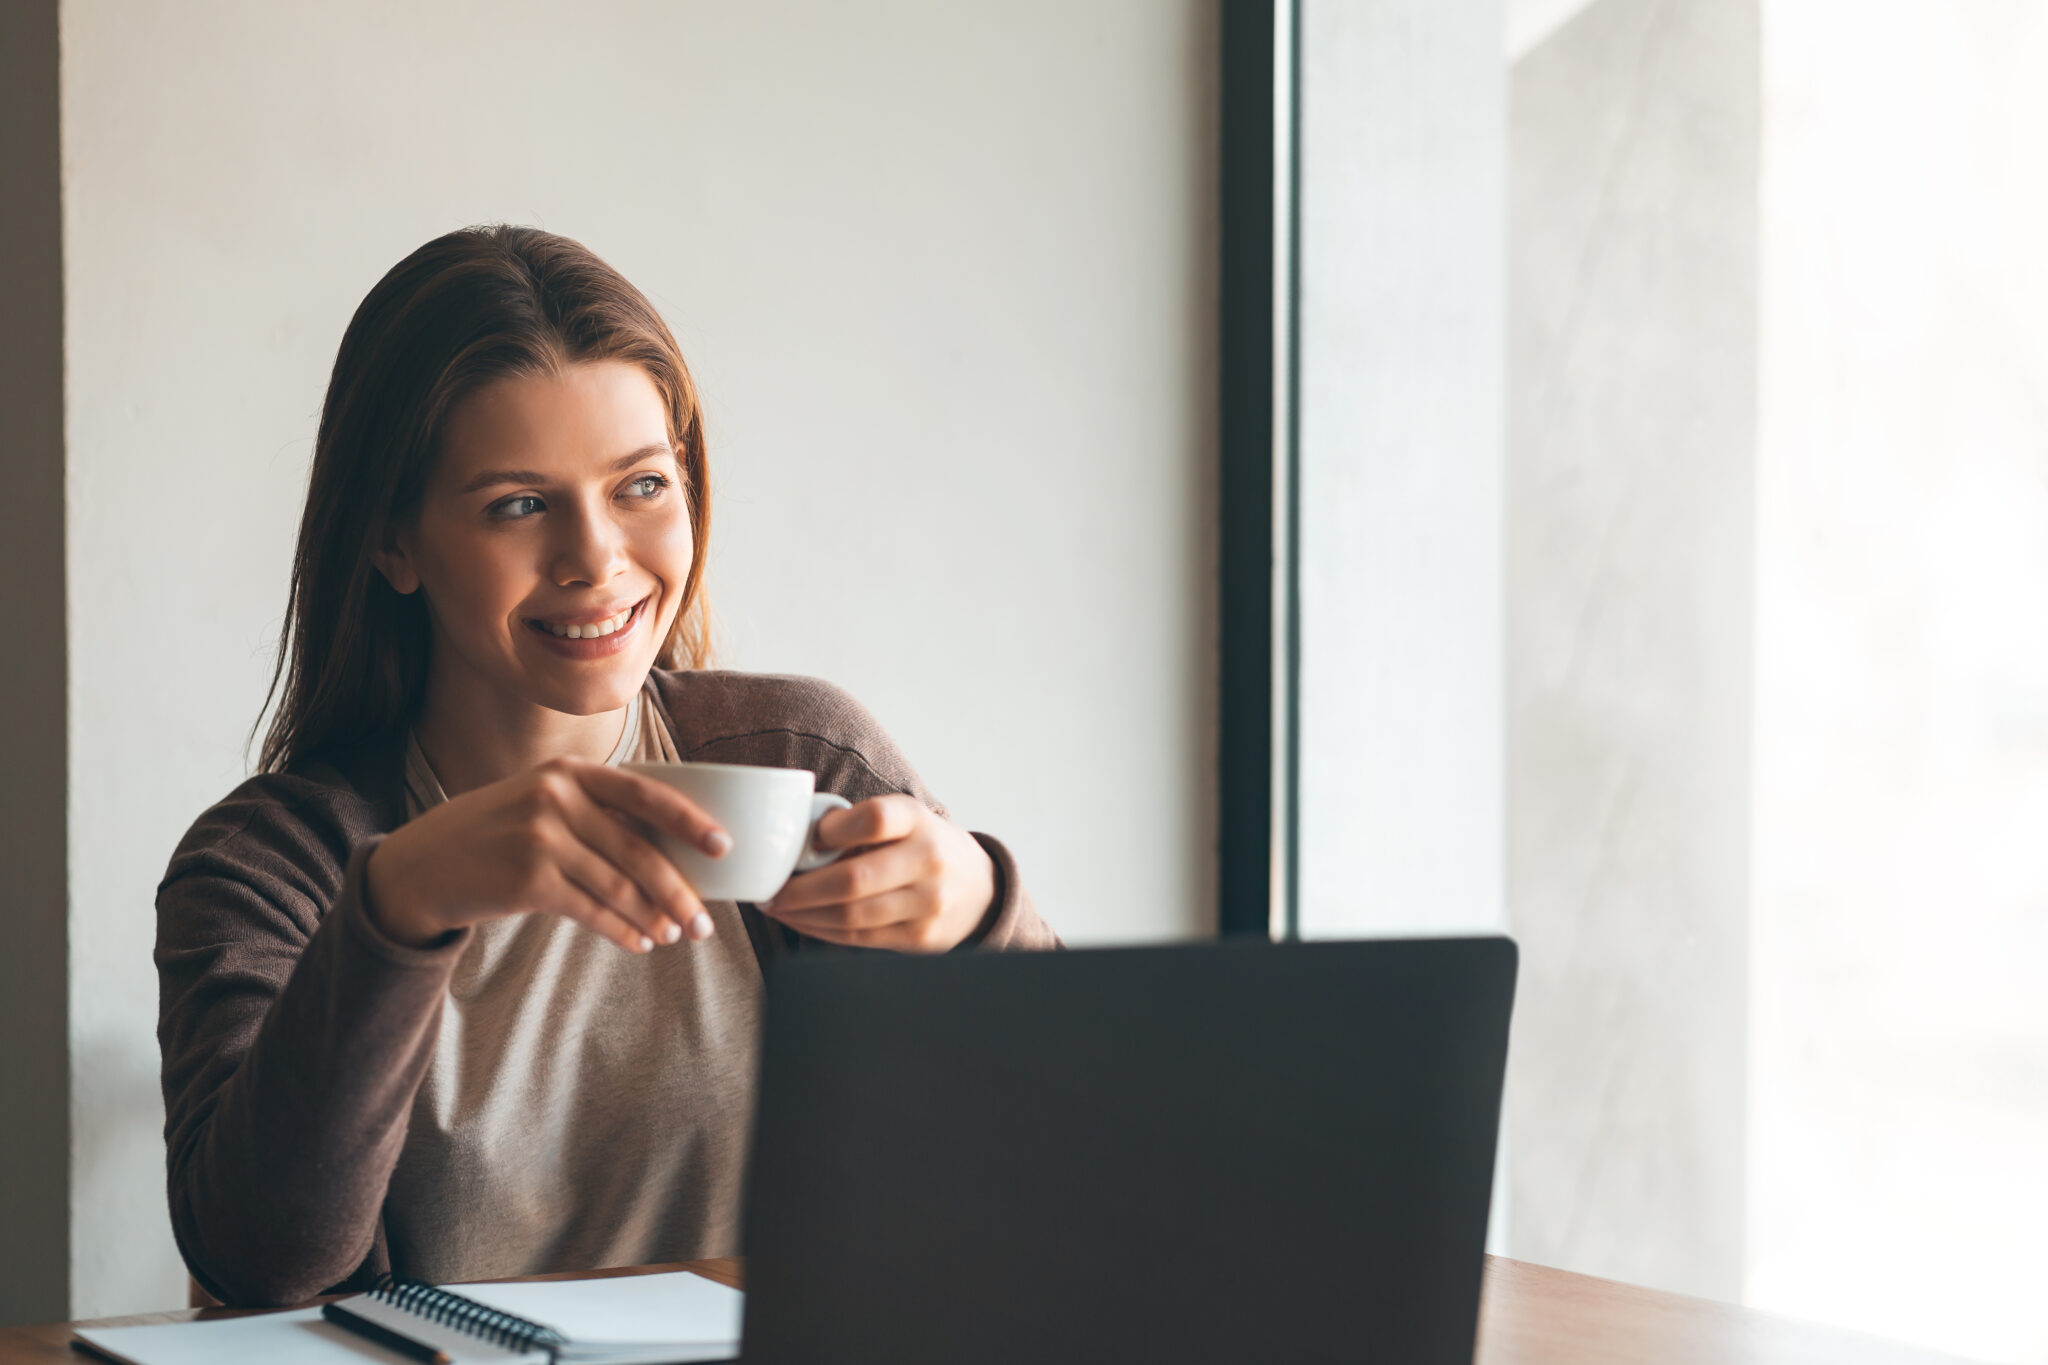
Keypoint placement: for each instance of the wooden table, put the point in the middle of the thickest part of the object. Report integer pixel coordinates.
(1531, 1315)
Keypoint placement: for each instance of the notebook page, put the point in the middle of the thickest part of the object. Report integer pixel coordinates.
(675, 1306)
(701, 1320)
(298, 1337)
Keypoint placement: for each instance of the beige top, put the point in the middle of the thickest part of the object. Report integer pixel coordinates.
(528, 1147)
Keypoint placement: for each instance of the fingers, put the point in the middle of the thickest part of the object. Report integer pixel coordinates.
(599, 892)
(653, 885)
(919, 885)
(876, 820)
(852, 938)
(901, 920)
(858, 877)
(660, 805)
(576, 900)
(889, 895)
(904, 906)
(886, 897)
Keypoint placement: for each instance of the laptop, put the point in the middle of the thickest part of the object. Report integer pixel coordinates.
(1235, 1152)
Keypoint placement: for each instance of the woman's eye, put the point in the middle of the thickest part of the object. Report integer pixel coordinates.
(524, 505)
(648, 485)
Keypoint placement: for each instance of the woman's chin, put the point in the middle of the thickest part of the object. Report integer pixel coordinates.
(587, 690)
(593, 701)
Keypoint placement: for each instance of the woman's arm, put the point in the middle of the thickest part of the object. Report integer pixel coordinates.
(294, 1037)
(1013, 922)
(302, 992)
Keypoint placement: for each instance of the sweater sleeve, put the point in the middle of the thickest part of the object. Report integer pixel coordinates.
(294, 1036)
(1013, 921)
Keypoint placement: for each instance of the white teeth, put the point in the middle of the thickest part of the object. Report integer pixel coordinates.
(591, 632)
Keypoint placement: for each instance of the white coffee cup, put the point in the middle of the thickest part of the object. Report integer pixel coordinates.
(772, 815)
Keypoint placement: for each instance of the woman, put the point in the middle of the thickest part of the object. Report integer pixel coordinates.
(428, 1004)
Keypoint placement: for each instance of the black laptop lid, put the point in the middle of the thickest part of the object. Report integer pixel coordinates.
(1220, 1152)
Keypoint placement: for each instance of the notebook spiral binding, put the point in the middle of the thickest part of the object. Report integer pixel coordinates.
(450, 1309)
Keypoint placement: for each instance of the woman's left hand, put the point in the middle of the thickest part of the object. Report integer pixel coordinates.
(917, 882)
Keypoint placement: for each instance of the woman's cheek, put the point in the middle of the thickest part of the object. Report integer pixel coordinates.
(667, 553)
(485, 584)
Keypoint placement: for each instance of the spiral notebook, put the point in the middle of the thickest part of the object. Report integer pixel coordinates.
(620, 1320)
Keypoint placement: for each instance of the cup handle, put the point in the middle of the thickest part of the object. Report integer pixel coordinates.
(813, 857)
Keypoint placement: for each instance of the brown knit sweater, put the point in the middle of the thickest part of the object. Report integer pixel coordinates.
(295, 1035)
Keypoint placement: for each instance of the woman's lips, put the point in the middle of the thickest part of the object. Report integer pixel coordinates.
(593, 645)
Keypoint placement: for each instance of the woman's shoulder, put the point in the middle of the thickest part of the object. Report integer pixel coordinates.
(781, 720)
(708, 705)
(287, 826)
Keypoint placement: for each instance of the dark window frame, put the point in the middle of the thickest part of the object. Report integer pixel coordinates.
(1255, 880)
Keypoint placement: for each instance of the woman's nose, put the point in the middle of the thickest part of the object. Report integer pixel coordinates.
(591, 550)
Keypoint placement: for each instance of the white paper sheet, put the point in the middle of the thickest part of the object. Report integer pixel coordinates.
(299, 1337)
(676, 1307)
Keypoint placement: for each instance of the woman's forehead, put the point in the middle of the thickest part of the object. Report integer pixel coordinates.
(578, 421)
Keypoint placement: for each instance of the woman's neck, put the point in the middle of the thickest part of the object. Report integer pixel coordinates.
(476, 736)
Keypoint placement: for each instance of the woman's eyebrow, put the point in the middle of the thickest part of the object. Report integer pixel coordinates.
(624, 462)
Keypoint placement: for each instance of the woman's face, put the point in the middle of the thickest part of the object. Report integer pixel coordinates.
(553, 540)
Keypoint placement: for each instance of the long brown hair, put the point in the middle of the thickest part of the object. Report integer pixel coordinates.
(476, 305)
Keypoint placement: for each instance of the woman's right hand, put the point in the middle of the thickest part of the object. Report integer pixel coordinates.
(549, 841)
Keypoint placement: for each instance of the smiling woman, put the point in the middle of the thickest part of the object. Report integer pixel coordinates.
(483, 366)
(555, 582)
(394, 1034)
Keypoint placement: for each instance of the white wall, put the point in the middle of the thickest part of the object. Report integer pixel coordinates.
(945, 276)
(1403, 264)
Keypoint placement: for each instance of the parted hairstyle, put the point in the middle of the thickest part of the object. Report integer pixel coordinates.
(474, 306)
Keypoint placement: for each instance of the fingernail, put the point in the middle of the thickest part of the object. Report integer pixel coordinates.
(700, 927)
(718, 843)
(671, 931)
(646, 944)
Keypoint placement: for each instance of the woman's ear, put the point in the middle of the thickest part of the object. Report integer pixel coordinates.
(394, 561)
